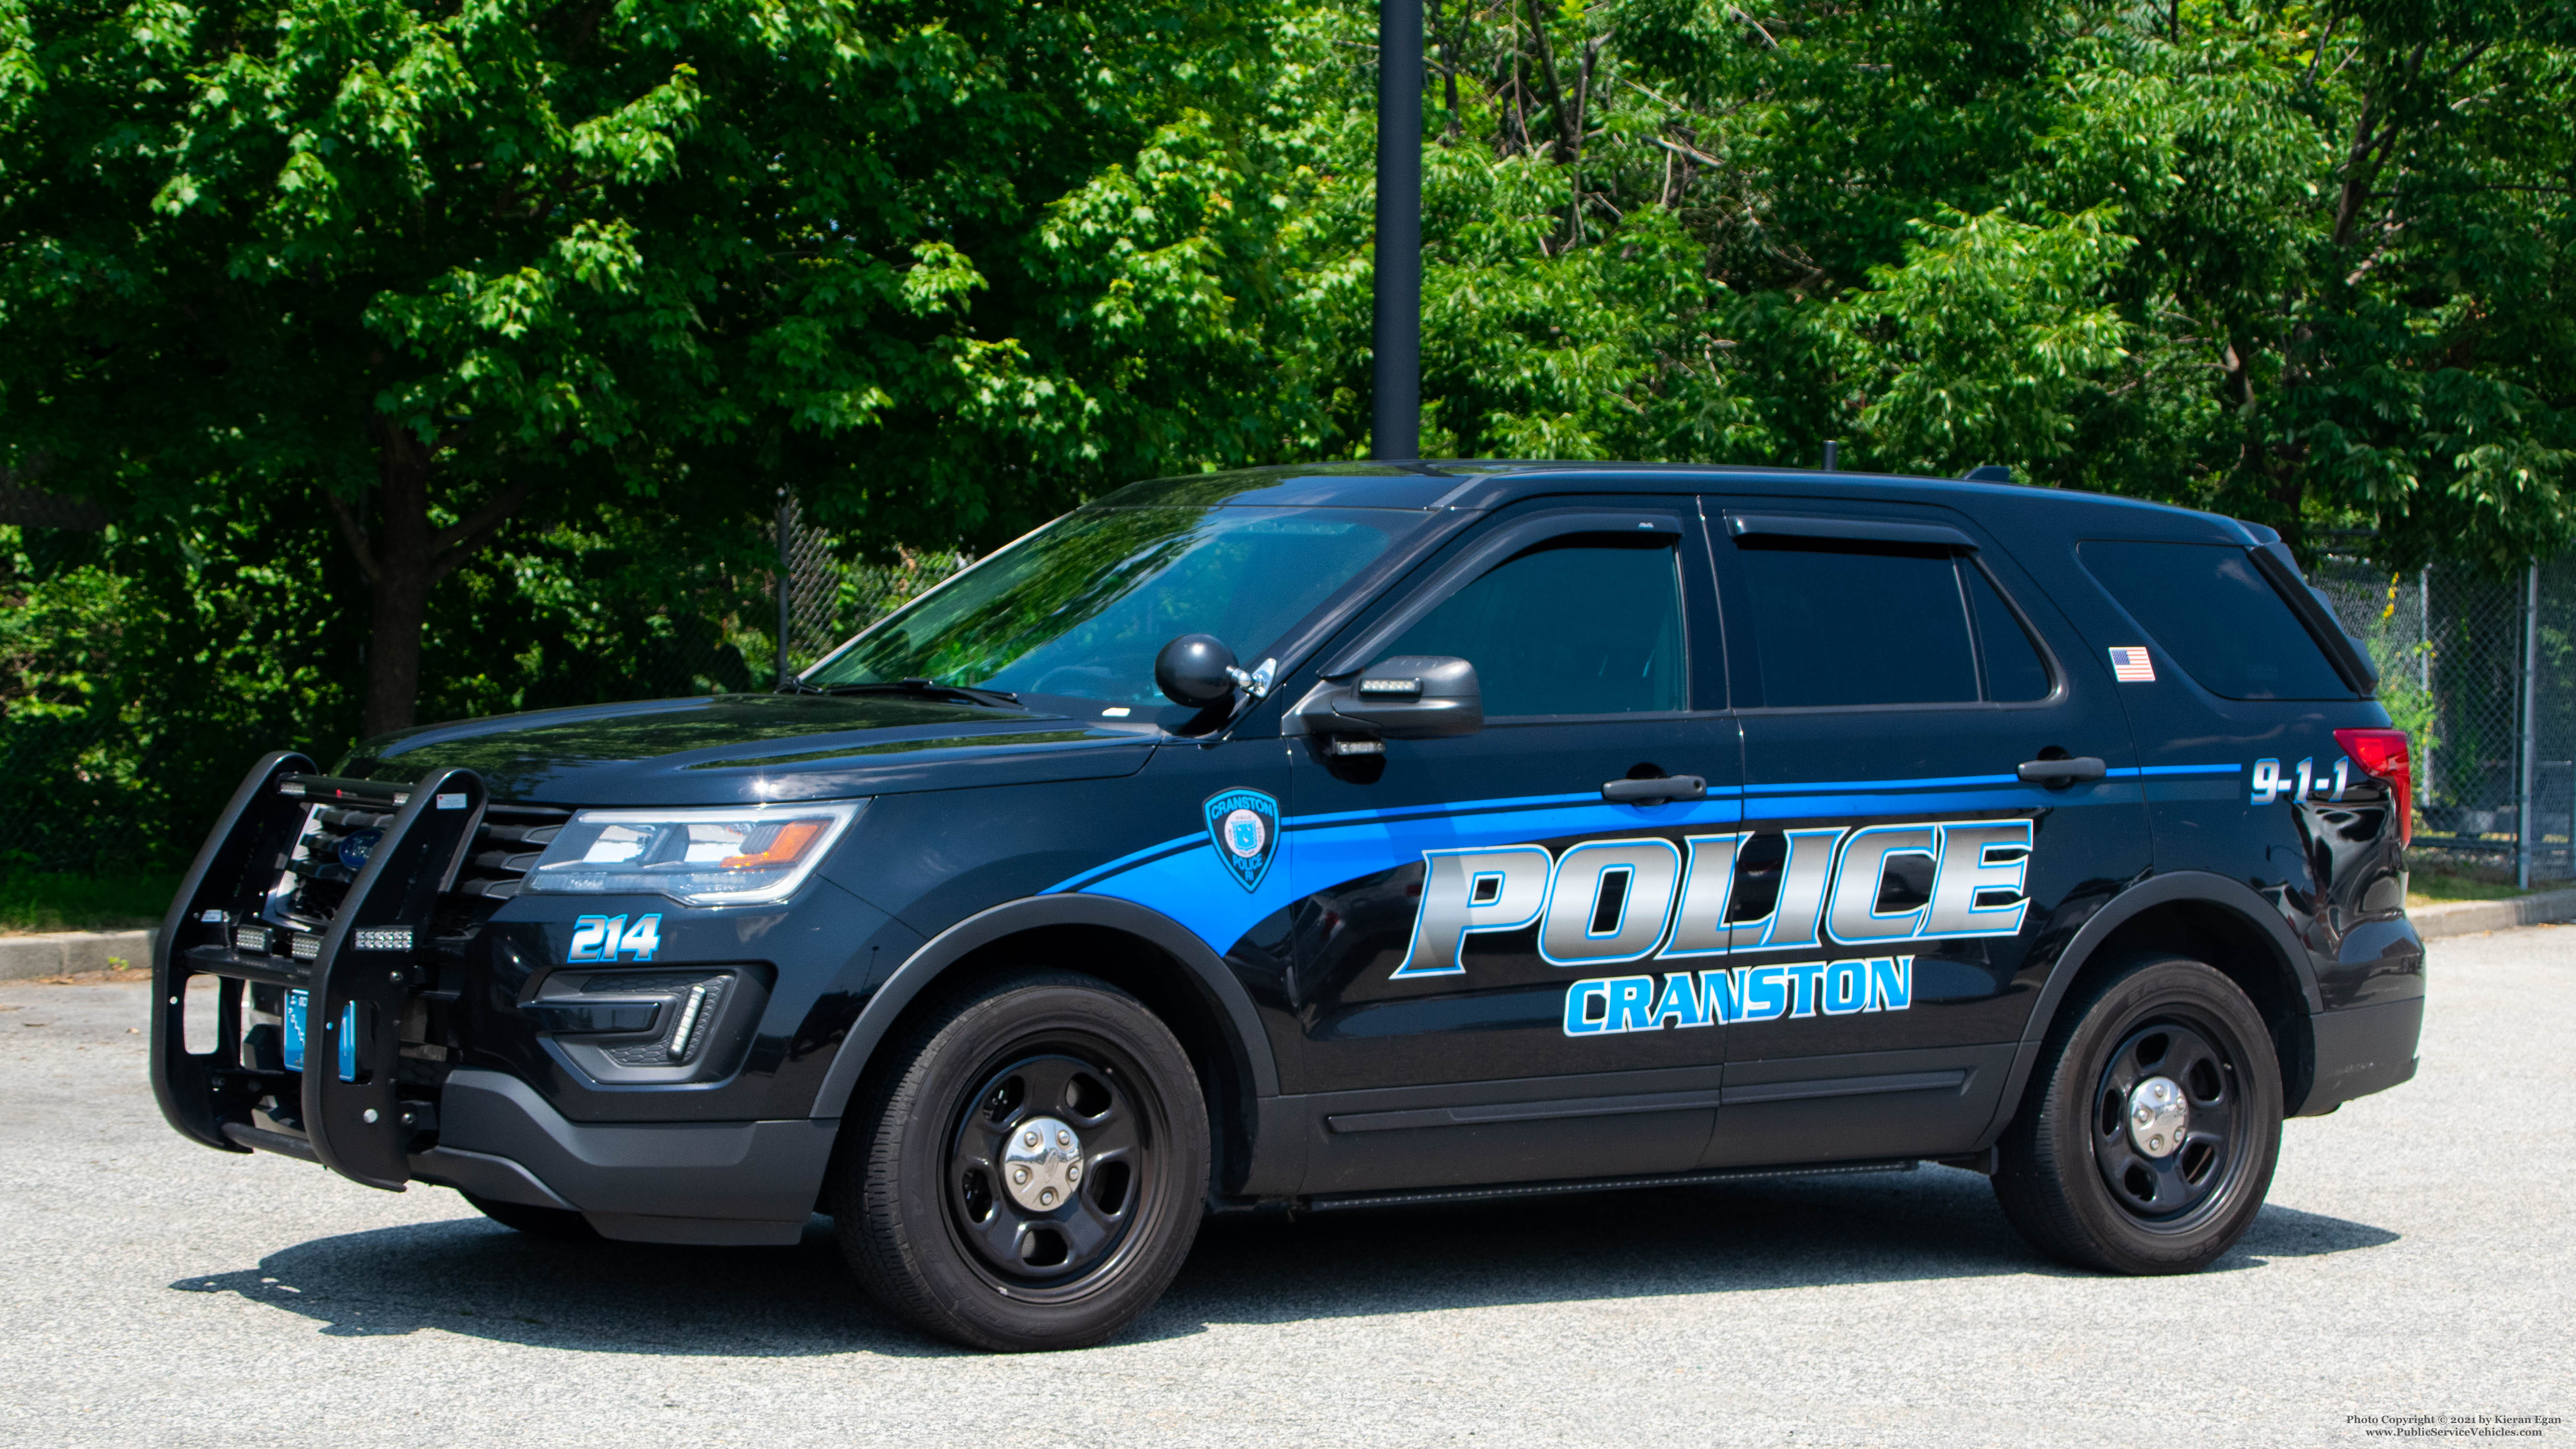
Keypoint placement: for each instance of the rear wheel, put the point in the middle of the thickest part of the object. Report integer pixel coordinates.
(1030, 1171)
(561, 1224)
(2149, 1132)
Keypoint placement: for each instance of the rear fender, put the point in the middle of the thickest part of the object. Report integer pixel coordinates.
(2198, 886)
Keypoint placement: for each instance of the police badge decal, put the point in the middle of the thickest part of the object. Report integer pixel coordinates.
(1244, 825)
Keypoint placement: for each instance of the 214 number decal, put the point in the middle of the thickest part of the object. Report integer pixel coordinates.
(609, 938)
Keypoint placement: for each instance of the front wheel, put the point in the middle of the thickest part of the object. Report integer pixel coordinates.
(2150, 1129)
(1029, 1174)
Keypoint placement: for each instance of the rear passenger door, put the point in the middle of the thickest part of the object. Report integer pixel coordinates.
(1897, 680)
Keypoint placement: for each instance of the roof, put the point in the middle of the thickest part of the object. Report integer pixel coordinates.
(1478, 483)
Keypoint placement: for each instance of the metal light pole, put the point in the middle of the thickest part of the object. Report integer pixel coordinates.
(1396, 427)
(2526, 839)
(786, 583)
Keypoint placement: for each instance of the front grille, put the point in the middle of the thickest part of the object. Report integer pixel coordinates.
(327, 855)
(507, 847)
(332, 847)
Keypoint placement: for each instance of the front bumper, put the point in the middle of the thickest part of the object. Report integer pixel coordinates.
(722, 1183)
(394, 970)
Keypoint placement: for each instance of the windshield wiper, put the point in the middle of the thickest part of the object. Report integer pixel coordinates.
(921, 688)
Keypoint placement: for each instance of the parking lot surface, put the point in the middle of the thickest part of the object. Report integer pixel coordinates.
(2418, 1258)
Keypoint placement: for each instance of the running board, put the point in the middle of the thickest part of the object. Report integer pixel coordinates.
(1481, 1114)
(1600, 1184)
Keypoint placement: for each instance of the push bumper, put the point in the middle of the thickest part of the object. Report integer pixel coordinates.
(373, 1099)
(366, 972)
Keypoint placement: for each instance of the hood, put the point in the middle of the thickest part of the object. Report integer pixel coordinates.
(731, 749)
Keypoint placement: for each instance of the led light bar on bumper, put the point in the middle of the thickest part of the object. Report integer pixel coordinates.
(729, 855)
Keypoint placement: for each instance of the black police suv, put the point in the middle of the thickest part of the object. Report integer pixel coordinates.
(1317, 837)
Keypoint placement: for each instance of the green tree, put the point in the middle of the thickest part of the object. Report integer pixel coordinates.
(430, 268)
(2306, 263)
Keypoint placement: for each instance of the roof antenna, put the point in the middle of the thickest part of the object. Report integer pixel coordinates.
(1833, 446)
(1395, 430)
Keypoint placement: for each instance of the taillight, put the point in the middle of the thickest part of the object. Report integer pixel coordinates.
(2383, 753)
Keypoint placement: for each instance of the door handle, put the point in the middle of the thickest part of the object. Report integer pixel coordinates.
(1669, 787)
(2058, 774)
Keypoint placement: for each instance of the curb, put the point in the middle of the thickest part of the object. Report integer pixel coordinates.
(26, 958)
(2468, 918)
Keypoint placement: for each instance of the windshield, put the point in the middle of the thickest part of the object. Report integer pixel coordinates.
(1082, 606)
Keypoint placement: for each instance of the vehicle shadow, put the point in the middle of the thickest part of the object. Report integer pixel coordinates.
(1936, 1223)
(469, 1276)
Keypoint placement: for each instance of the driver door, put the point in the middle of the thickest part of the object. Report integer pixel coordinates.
(1475, 977)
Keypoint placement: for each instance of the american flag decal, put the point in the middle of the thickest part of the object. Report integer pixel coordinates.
(2130, 665)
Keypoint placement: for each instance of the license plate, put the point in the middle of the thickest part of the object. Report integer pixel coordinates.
(299, 1007)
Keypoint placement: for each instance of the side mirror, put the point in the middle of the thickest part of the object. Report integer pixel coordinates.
(1196, 670)
(1407, 697)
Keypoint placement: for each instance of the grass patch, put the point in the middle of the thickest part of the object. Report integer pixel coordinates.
(33, 901)
(2467, 883)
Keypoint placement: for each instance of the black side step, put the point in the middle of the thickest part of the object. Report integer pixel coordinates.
(1601, 1184)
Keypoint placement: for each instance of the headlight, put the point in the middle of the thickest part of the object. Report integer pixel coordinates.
(722, 857)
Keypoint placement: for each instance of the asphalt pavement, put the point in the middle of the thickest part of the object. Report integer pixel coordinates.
(2418, 1257)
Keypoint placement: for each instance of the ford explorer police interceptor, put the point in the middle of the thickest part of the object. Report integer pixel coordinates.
(1327, 836)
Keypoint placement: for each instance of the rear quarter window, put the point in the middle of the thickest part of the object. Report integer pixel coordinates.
(2217, 617)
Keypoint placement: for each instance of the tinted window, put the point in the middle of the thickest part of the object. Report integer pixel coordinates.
(1839, 623)
(2013, 667)
(2218, 618)
(1587, 627)
(1082, 606)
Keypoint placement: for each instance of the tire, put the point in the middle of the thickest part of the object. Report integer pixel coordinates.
(560, 1224)
(2086, 1180)
(1095, 1100)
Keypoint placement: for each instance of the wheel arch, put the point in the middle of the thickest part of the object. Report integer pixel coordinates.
(2207, 917)
(1133, 947)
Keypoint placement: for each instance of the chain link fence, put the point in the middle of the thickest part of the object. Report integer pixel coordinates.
(2481, 674)
(824, 599)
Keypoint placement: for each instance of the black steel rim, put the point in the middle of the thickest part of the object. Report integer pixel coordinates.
(2179, 1190)
(1063, 1252)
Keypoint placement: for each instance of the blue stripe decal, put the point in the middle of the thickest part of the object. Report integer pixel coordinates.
(2017, 797)
(1321, 857)
(1301, 822)
(1322, 851)
(1942, 782)
(1072, 882)
(1475, 807)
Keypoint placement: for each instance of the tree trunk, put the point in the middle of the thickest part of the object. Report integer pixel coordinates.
(399, 582)
(401, 559)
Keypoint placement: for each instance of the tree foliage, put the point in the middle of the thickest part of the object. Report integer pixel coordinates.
(434, 267)
(534, 305)
(2304, 263)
